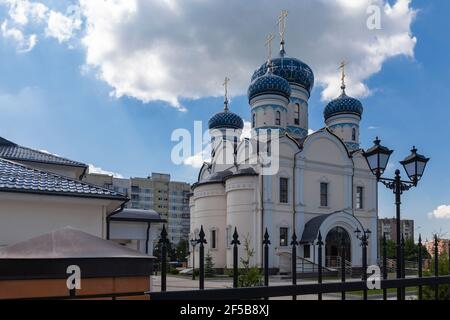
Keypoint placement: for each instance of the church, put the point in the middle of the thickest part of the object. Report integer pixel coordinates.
(322, 184)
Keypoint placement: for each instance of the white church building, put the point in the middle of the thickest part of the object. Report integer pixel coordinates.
(323, 184)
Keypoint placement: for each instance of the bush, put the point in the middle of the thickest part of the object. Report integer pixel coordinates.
(174, 271)
(209, 266)
(249, 276)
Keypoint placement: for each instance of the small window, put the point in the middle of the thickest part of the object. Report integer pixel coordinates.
(213, 239)
(228, 237)
(354, 134)
(284, 237)
(284, 190)
(278, 118)
(254, 120)
(324, 194)
(306, 251)
(297, 114)
(359, 197)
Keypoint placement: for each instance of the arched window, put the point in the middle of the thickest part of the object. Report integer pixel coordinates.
(297, 114)
(354, 134)
(278, 118)
(254, 120)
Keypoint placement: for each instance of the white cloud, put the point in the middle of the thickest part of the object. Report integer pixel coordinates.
(26, 19)
(154, 50)
(62, 27)
(98, 170)
(23, 43)
(172, 50)
(441, 212)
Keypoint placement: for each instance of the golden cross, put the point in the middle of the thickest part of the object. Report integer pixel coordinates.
(225, 84)
(282, 23)
(342, 67)
(269, 46)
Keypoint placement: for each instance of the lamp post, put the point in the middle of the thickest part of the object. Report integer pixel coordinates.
(363, 236)
(194, 242)
(377, 158)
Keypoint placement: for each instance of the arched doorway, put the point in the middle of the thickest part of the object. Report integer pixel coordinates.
(337, 242)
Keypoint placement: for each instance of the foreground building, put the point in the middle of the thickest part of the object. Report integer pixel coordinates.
(323, 185)
(42, 192)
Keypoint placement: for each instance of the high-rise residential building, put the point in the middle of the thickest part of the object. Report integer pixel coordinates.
(388, 227)
(156, 192)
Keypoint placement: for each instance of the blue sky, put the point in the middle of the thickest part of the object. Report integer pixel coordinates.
(49, 100)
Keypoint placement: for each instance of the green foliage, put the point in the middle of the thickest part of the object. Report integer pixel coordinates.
(249, 276)
(209, 266)
(428, 291)
(174, 271)
(411, 250)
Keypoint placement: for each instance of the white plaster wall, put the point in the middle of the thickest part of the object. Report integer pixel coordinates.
(209, 210)
(24, 216)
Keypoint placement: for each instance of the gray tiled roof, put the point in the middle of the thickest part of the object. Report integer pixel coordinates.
(138, 215)
(12, 151)
(15, 177)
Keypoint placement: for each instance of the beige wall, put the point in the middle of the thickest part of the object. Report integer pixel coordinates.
(24, 216)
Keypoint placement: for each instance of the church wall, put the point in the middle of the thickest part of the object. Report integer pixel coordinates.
(209, 210)
(243, 213)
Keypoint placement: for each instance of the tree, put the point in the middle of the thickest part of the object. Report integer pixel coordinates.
(428, 291)
(209, 265)
(182, 250)
(249, 276)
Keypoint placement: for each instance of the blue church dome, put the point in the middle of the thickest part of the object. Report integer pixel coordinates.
(343, 104)
(291, 69)
(269, 83)
(226, 120)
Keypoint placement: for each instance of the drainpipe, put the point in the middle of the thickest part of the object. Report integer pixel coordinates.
(294, 209)
(262, 218)
(108, 220)
(148, 237)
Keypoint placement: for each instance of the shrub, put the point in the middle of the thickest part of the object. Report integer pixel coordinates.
(428, 291)
(249, 276)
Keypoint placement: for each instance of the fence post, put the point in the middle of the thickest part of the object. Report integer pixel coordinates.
(420, 266)
(235, 244)
(266, 243)
(202, 242)
(294, 244)
(364, 262)
(402, 254)
(385, 267)
(343, 257)
(436, 265)
(163, 241)
(319, 253)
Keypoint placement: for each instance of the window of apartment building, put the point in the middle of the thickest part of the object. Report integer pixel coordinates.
(284, 237)
(147, 191)
(213, 239)
(359, 197)
(297, 114)
(324, 194)
(307, 251)
(135, 189)
(135, 197)
(284, 190)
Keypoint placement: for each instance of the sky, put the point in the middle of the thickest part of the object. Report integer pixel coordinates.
(106, 82)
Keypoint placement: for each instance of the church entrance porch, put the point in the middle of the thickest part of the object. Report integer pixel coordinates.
(337, 243)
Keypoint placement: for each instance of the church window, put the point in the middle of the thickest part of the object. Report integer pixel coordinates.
(278, 118)
(359, 197)
(228, 237)
(254, 120)
(324, 194)
(213, 239)
(297, 114)
(306, 251)
(354, 134)
(284, 237)
(284, 190)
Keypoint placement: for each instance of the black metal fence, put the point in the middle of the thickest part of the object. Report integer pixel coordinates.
(343, 286)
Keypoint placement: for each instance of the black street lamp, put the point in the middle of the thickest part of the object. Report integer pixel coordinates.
(363, 236)
(377, 158)
(193, 242)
